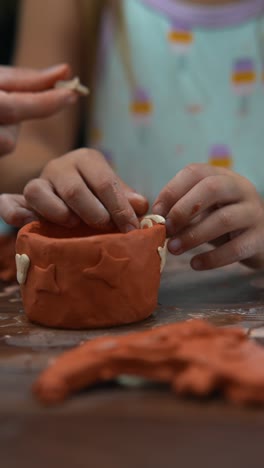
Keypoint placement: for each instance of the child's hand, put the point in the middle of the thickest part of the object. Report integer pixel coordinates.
(79, 185)
(207, 204)
(14, 210)
(26, 94)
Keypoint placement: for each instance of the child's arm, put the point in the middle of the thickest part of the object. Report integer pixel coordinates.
(204, 204)
(48, 34)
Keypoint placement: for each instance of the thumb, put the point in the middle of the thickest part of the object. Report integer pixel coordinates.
(139, 203)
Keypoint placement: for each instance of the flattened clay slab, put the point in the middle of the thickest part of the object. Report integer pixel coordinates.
(80, 278)
(193, 357)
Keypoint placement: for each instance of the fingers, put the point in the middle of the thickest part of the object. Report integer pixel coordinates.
(77, 196)
(83, 184)
(14, 210)
(28, 80)
(40, 196)
(104, 183)
(16, 107)
(209, 192)
(139, 203)
(184, 181)
(240, 248)
(222, 221)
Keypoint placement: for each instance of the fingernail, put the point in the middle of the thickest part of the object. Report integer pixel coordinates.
(197, 264)
(158, 208)
(175, 245)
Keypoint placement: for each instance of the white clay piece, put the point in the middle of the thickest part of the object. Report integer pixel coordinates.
(22, 265)
(149, 221)
(156, 218)
(74, 85)
(146, 223)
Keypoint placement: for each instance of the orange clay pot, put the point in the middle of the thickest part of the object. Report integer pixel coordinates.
(79, 278)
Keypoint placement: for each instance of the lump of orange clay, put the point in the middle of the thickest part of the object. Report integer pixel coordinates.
(74, 85)
(80, 278)
(193, 357)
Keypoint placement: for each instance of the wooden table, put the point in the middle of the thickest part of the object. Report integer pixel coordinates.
(110, 426)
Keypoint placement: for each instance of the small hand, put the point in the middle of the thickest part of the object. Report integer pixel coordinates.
(26, 94)
(78, 186)
(204, 204)
(14, 210)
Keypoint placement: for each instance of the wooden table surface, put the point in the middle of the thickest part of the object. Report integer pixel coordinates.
(110, 426)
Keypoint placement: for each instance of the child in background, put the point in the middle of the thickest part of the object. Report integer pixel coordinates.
(177, 112)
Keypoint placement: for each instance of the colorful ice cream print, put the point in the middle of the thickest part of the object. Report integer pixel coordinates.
(243, 81)
(220, 155)
(141, 107)
(180, 39)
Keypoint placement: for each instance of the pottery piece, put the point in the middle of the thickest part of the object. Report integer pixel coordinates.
(80, 278)
(194, 357)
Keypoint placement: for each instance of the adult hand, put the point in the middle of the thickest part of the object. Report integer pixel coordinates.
(27, 94)
(205, 204)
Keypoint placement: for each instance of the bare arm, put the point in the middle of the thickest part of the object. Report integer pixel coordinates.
(46, 36)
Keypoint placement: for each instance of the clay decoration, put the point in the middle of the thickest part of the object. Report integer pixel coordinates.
(74, 85)
(193, 357)
(81, 278)
(22, 265)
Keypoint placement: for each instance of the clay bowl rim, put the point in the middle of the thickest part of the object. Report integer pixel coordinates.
(42, 238)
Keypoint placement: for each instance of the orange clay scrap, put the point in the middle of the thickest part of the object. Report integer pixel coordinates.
(81, 278)
(193, 357)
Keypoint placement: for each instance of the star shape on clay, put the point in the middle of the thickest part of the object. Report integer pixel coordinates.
(109, 269)
(45, 279)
